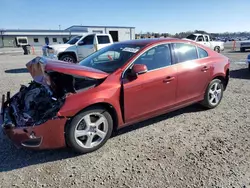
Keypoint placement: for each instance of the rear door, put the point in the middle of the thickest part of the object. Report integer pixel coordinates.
(85, 47)
(193, 69)
(154, 90)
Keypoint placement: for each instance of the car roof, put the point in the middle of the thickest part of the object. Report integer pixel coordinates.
(151, 41)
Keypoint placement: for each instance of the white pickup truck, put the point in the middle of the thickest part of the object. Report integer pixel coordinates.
(206, 41)
(78, 47)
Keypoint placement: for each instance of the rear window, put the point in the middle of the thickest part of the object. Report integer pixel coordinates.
(103, 39)
(22, 40)
(202, 53)
(191, 37)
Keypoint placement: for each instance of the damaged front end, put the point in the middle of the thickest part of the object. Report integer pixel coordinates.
(40, 101)
(32, 105)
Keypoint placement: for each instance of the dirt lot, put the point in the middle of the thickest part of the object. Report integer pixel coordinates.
(186, 148)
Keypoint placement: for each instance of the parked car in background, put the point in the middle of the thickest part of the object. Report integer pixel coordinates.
(248, 62)
(207, 41)
(244, 45)
(80, 105)
(78, 47)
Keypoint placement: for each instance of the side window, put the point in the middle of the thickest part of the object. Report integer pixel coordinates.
(200, 39)
(206, 38)
(202, 53)
(155, 58)
(103, 39)
(88, 40)
(185, 52)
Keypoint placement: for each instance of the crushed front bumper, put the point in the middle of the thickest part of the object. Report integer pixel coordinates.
(49, 135)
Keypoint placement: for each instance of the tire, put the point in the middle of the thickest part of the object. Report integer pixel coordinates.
(249, 67)
(78, 133)
(217, 49)
(68, 58)
(207, 101)
(242, 49)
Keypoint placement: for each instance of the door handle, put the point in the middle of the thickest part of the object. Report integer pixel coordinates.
(205, 68)
(168, 79)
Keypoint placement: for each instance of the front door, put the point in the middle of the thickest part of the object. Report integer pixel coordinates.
(85, 47)
(193, 72)
(154, 90)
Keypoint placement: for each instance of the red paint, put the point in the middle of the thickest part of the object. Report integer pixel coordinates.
(145, 96)
(75, 69)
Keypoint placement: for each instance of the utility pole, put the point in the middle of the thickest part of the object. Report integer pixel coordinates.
(59, 27)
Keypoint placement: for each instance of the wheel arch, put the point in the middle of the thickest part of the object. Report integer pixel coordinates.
(224, 78)
(109, 107)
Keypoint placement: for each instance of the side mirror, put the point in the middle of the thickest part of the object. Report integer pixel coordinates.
(138, 69)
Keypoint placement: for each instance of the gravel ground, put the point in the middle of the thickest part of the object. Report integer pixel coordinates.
(186, 148)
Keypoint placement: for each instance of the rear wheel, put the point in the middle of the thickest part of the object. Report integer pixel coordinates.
(89, 130)
(217, 49)
(68, 58)
(214, 94)
(249, 67)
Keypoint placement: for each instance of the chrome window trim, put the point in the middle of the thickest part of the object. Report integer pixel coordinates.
(172, 63)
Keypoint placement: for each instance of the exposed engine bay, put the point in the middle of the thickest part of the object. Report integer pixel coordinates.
(44, 96)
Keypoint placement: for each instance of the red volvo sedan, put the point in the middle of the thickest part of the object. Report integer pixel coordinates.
(79, 105)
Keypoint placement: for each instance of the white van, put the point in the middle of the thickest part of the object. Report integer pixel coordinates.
(21, 41)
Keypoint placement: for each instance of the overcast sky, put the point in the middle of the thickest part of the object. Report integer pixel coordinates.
(146, 15)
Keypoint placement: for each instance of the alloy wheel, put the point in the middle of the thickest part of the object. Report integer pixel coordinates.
(215, 93)
(91, 130)
(68, 59)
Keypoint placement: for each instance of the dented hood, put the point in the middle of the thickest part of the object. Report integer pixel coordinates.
(39, 65)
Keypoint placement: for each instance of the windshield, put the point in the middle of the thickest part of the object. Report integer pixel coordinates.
(112, 57)
(191, 37)
(74, 40)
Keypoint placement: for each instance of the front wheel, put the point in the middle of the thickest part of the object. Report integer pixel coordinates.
(214, 94)
(68, 58)
(89, 130)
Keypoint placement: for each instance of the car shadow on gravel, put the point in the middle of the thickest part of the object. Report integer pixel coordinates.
(14, 71)
(12, 158)
(189, 109)
(240, 74)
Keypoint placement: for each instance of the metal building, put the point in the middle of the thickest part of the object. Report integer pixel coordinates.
(13, 37)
